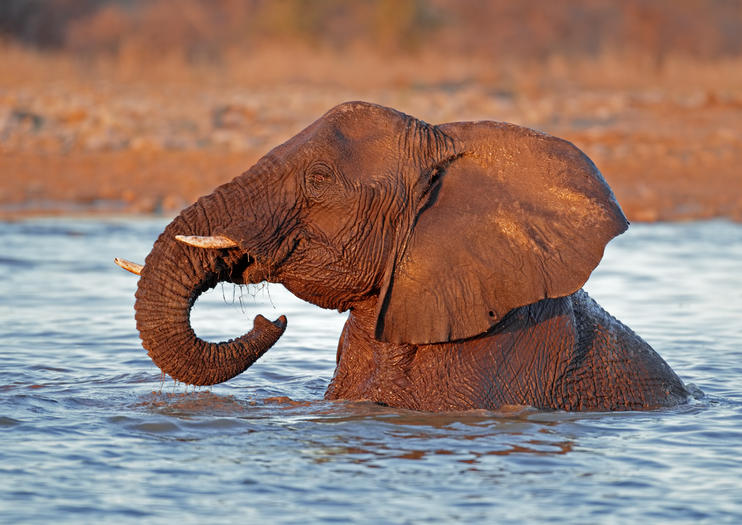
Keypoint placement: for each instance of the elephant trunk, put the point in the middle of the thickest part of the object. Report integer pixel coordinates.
(173, 277)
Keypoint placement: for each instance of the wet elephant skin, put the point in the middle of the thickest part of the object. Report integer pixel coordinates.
(459, 249)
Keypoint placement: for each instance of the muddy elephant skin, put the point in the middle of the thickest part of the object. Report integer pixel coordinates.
(460, 251)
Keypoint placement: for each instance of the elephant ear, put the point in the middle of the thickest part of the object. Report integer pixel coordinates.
(513, 217)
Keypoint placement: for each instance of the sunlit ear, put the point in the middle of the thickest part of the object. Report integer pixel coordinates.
(518, 217)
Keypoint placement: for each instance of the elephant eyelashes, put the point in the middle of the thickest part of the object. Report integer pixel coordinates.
(318, 180)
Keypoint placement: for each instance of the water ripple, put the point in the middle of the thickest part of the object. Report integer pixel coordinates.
(93, 433)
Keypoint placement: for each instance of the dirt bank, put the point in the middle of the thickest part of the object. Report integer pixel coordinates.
(96, 137)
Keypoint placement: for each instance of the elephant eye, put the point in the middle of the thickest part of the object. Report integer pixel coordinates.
(318, 179)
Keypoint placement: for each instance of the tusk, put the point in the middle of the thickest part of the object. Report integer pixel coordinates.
(129, 266)
(207, 242)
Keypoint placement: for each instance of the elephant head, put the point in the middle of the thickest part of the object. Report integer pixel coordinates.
(441, 229)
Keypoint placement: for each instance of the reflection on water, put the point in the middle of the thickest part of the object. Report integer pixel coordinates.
(91, 431)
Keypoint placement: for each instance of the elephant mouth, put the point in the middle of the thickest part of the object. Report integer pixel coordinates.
(164, 306)
(233, 264)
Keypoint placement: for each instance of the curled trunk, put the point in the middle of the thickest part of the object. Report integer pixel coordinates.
(173, 277)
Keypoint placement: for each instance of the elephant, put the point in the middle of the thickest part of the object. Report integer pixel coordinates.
(459, 250)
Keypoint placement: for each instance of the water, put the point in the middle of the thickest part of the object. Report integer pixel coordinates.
(91, 433)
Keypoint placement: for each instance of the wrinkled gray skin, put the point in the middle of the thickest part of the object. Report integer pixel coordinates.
(459, 249)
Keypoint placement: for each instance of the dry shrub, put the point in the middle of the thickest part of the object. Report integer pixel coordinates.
(502, 30)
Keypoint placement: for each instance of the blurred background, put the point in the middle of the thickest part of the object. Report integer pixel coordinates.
(140, 106)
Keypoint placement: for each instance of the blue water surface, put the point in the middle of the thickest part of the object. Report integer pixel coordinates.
(92, 433)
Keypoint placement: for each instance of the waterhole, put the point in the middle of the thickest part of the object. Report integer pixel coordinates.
(91, 432)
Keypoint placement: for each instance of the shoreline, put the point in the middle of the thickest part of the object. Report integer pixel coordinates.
(109, 139)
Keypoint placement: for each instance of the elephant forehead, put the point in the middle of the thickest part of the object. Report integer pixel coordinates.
(371, 158)
(356, 137)
(362, 111)
(363, 139)
(358, 146)
(364, 124)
